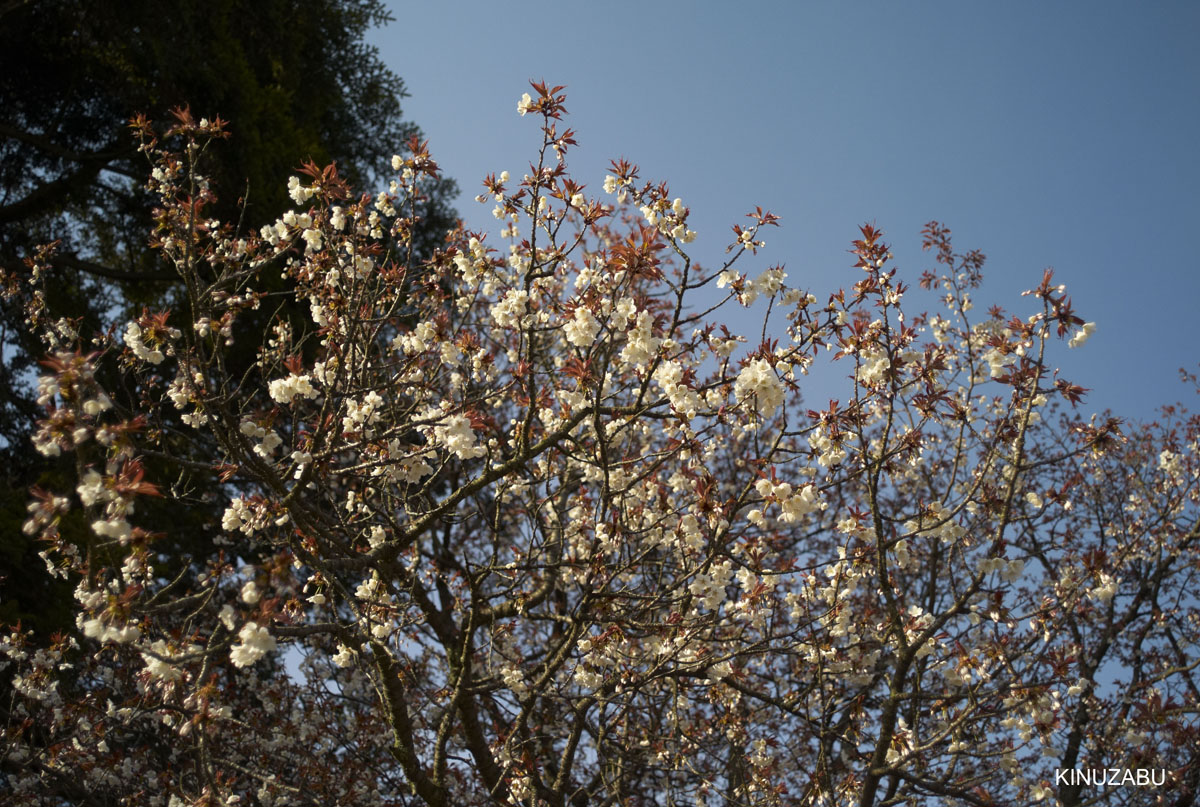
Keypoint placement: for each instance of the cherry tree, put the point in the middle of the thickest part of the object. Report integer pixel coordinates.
(527, 523)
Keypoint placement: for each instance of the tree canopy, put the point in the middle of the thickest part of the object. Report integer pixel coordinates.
(296, 76)
(528, 521)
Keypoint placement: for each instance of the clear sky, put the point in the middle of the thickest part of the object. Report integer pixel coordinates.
(1044, 134)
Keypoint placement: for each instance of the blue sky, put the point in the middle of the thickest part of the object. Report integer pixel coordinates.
(1044, 134)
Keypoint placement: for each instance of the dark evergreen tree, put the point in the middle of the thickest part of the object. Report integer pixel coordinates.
(296, 80)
